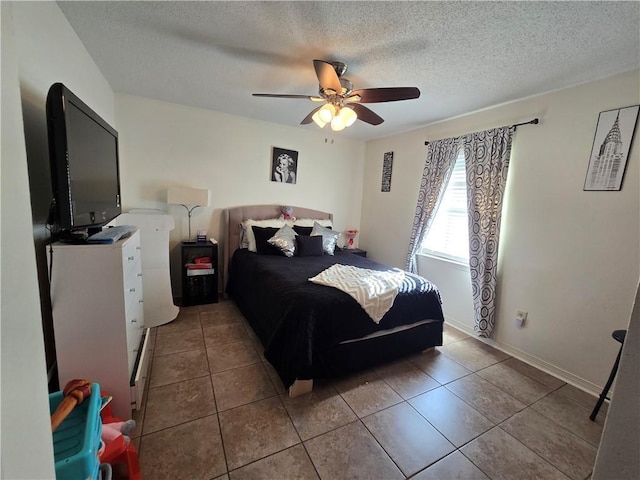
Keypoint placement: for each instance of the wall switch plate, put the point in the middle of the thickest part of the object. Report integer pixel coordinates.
(521, 318)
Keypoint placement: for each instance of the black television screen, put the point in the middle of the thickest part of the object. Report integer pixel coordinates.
(83, 151)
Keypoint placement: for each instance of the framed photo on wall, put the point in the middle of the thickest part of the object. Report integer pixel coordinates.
(610, 150)
(387, 167)
(284, 165)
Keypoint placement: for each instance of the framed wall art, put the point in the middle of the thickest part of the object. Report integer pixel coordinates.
(387, 166)
(284, 165)
(610, 150)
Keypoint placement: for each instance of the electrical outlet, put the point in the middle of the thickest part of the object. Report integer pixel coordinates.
(521, 318)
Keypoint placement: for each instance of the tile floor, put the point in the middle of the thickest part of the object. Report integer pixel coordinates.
(215, 409)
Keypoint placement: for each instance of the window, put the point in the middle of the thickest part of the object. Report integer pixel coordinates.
(448, 236)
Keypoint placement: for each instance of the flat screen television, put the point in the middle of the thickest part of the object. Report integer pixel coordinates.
(83, 154)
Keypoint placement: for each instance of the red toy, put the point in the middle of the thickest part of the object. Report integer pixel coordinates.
(118, 447)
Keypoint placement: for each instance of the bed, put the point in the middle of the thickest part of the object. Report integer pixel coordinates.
(310, 331)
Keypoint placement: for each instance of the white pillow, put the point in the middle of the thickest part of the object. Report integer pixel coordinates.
(248, 239)
(308, 222)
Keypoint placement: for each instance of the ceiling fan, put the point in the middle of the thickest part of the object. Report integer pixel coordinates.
(342, 104)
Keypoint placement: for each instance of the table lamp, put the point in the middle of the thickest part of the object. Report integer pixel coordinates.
(190, 199)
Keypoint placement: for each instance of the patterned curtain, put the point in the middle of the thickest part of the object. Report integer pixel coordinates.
(435, 176)
(487, 162)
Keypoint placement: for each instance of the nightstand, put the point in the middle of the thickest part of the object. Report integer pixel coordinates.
(356, 251)
(199, 273)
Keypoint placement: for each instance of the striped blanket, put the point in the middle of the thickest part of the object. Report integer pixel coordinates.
(374, 290)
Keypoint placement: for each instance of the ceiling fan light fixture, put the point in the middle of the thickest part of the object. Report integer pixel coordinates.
(337, 124)
(327, 113)
(318, 121)
(348, 116)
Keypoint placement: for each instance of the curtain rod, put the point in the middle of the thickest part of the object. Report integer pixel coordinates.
(535, 121)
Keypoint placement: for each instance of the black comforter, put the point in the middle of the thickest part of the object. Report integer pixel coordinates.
(296, 319)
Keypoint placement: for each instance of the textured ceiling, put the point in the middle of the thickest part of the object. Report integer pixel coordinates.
(463, 56)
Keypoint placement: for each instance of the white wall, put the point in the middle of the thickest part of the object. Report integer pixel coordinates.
(39, 47)
(568, 257)
(164, 144)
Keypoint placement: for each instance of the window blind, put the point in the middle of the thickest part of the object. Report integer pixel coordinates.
(448, 236)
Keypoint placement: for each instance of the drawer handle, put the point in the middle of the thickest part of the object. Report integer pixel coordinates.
(134, 320)
(141, 301)
(140, 274)
(132, 289)
(131, 258)
(137, 248)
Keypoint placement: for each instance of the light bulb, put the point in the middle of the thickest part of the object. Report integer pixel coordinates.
(349, 116)
(337, 124)
(316, 118)
(327, 112)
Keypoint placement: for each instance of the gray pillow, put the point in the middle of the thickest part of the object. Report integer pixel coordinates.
(285, 241)
(329, 237)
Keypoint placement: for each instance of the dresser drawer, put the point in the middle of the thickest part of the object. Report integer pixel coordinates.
(132, 289)
(140, 374)
(131, 255)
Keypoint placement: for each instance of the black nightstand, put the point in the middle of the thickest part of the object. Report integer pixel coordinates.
(356, 251)
(199, 276)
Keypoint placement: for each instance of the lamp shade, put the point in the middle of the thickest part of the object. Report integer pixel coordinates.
(188, 196)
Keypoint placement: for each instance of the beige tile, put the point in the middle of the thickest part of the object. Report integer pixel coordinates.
(222, 477)
(486, 398)
(451, 334)
(439, 367)
(220, 317)
(534, 373)
(568, 453)
(516, 384)
(366, 393)
(257, 344)
(169, 343)
(501, 456)
(242, 385)
(256, 430)
(191, 450)
(351, 452)
(473, 354)
(406, 379)
(318, 412)
(408, 438)
(178, 367)
(454, 466)
(583, 398)
(221, 334)
(275, 378)
(178, 403)
(220, 306)
(451, 416)
(570, 415)
(231, 355)
(293, 463)
(184, 321)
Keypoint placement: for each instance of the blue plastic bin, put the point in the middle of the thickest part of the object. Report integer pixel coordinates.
(77, 440)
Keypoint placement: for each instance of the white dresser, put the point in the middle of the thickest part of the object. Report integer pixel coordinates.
(98, 318)
(154, 229)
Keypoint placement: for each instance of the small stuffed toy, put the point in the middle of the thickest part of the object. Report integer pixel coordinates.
(111, 431)
(287, 213)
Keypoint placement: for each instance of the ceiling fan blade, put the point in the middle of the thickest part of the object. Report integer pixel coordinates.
(390, 94)
(366, 115)
(327, 76)
(277, 95)
(308, 118)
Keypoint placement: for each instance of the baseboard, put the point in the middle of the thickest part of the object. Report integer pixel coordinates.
(536, 362)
